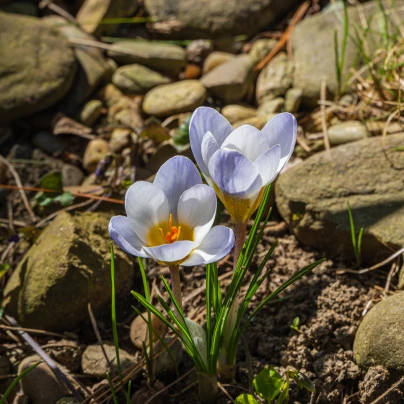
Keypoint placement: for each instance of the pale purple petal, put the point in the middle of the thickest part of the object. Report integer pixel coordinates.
(171, 252)
(282, 130)
(197, 209)
(248, 140)
(174, 177)
(234, 174)
(204, 120)
(267, 164)
(121, 231)
(216, 245)
(209, 147)
(146, 206)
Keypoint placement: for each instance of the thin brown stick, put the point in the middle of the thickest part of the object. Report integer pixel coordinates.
(32, 331)
(380, 398)
(19, 184)
(98, 335)
(323, 115)
(285, 36)
(220, 385)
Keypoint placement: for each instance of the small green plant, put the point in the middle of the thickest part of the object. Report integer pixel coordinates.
(270, 385)
(340, 57)
(295, 324)
(356, 242)
(53, 182)
(181, 137)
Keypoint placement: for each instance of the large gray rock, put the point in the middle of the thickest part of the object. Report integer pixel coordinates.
(215, 18)
(380, 338)
(314, 50)
(312, 197)
(230, 80)
(37, 66)
(67, 268)
(161, 56)
(174, 98)
(93, 66)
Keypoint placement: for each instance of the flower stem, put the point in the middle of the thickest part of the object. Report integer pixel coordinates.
(240, 230)
(207, 386)
(176, 285)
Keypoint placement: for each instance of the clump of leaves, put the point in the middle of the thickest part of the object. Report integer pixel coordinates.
(295, 324)
(53, 182)
(270, 385)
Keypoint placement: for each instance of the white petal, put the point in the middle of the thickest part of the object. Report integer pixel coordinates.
(174, 177)
(146, 206)
(234, 174)
(282, 130)
(203, 120)
(209, 147)
(121, 231)
(216, 245)
(248, 141)
(171, 252)
(267, 164)
(197, 209)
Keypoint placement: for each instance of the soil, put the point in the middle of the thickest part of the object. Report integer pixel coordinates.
(329, 305)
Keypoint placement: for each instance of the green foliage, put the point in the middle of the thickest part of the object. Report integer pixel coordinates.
(270, 385)
(53, 182)
(182, 136)
(295, 324)
(340, 57)
(3, 269)
(10, 388)
(356, 242)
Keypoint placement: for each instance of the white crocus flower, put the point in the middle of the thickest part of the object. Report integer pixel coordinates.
(239, 163)
(171, 219)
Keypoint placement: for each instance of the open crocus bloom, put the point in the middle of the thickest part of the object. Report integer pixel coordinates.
(239, 163)
(171, 219)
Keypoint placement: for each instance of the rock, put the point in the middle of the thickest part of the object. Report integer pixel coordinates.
(174, 98)
(139, 330)
(120, 138)
(93, 12)
(271, 106)
(164, 365)
(50, 144)
(93, 67)
(275, 78)
(75, 250)
(93, 361)
(230, 80)
(32, 384)
(261, 48)
(37, 66)
(312, 197)
(234, 113)
(380, 339)
(145, 394)
(20, 151)
(137, 79)
(163, 153)
(91, 112)
(71, 175)
(20, 7)
(96, 150)
(316, 33)
(216, 59)
(67, 400)
(348, 131)
(65, 352)
(161, 56)
(198, 50)
(293, 99)
(214, 18)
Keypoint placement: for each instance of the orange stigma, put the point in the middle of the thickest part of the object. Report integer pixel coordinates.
(173, 233)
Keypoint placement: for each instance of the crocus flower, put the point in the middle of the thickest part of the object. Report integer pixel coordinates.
(239, 163)
(171, 219)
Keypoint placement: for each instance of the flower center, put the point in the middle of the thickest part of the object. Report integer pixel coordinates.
(167, 233)
(173, 233)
